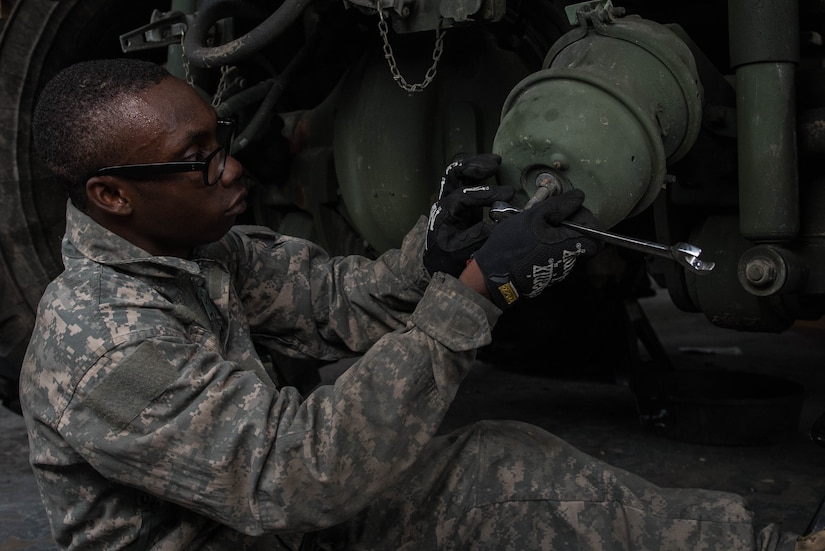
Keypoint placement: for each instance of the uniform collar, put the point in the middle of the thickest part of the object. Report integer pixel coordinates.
(100, 245)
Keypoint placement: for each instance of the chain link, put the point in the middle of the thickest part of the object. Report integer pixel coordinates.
(383, 29)
(438, 49)
(222, 83)
(185, 62)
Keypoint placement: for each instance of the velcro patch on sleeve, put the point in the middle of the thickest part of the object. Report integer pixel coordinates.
(131, 386)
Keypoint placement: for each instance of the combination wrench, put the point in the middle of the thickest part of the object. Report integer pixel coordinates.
(684, 253)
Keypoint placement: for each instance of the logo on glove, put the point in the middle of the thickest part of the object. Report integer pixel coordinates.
(435, 210)
(554, 271)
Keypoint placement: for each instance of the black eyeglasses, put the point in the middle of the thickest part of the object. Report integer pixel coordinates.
(211, 167)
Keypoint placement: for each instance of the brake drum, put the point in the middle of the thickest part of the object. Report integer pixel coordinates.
(613, 105)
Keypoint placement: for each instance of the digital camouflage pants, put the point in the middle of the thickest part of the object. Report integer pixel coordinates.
(512, 486)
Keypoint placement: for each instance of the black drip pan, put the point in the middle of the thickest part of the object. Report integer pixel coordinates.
(725, 408)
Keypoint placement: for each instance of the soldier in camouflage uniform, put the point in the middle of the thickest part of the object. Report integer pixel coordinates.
(154, 424)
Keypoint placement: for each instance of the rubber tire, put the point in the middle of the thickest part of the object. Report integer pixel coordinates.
(40, 38)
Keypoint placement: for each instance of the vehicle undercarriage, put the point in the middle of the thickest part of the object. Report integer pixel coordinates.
(692, 122)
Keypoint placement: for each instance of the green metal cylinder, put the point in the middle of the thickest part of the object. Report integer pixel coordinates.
(764, 39)
(613, 106)
(768, 180)
(763, 30)
(391, 146)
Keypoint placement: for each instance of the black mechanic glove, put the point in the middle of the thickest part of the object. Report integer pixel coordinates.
(456, 228)
(529, 250)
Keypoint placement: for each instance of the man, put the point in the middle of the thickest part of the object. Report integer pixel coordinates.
(154, 424)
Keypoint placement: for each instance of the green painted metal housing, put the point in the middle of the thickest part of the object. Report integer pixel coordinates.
(764, 51)
(615, 103)
(391, 146)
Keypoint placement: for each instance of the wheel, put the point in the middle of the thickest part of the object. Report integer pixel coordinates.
(39, 38)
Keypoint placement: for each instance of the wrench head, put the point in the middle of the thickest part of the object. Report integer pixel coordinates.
(696, 265)
(688, 256)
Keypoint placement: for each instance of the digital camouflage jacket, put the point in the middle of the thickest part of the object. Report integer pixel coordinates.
(154, 423)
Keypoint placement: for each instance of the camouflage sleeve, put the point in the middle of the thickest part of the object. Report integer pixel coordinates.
(301, 302)
(171, 417)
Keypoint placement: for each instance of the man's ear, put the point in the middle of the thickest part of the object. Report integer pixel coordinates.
(109, 195)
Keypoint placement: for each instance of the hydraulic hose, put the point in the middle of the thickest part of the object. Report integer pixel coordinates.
(244, 46)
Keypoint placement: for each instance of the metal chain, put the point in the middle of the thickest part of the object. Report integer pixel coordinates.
(438, 49)
(222, 83)
(185, 62)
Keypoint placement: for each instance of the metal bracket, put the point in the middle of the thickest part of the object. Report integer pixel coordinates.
(403, 8)
(586, 8)
(468, 11)
(410, 16)
(164, 29)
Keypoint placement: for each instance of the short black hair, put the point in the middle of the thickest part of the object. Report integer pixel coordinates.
(76, 112)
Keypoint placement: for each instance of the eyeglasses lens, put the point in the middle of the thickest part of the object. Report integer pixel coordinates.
(224, 133)
(216, 165)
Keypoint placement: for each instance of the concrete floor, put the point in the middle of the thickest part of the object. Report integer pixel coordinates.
(783, 481)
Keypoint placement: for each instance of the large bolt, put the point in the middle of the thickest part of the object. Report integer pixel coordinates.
(760, 272)
(547, 184)
(550, 182)
(767, 270)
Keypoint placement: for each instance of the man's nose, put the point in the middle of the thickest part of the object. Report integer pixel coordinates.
(232, 171)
